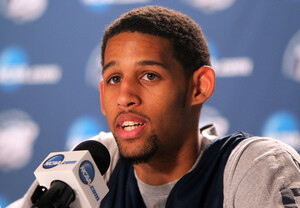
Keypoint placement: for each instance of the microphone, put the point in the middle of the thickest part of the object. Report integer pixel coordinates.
(72, 179)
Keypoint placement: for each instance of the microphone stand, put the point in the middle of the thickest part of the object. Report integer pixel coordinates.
(59, 195)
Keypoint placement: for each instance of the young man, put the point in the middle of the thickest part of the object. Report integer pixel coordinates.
(156, 77)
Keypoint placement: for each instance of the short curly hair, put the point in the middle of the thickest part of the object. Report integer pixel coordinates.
(189, 43)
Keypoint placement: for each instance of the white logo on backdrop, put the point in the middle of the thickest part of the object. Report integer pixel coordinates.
(90, 2)
(21, 11)
(81, 129)
(17, 135)
(233, 67)
(283, 125)
(16, 71)
(291, 58)
(93, 73)
(210, 6)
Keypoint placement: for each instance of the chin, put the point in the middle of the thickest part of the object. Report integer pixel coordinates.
(137, 159)
(139, 154)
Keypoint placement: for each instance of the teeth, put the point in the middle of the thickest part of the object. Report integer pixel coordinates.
(130, 125)
(130, 128)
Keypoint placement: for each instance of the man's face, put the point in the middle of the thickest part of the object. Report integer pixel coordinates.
(144, 95)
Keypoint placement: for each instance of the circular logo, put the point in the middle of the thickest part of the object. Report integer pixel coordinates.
(53, 161)
(84, 128)
(86, 172)
(3, 201)
(18, 132)
(97, 5)
(291, 58)
(93, 74)
(210, 6)
(214, 52)
(284, 126)
(13, 68)
(22, 11)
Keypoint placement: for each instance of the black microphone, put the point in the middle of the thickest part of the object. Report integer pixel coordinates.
(99, 153)
(72, 179)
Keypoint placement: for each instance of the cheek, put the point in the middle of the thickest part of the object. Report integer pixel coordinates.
(167, 105)
(108, 107)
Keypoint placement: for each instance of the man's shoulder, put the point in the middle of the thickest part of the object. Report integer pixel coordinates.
(257, 170)
(255, 148)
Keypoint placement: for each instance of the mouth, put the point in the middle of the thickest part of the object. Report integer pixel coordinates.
(131, 125)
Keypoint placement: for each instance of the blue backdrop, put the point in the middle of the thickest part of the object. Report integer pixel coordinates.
(49, 74)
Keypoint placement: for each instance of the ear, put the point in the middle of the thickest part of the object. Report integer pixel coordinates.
(101, 89)
(203, 85)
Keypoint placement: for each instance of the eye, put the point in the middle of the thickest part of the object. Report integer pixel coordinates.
(150, 77)
(114, 80)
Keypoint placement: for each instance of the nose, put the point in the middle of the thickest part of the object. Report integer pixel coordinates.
(128, 94)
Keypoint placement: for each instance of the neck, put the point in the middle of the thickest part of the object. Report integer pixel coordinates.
(170, 166)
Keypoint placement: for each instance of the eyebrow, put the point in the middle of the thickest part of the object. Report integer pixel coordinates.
(110, 64)
(151, 63)
(140, 63)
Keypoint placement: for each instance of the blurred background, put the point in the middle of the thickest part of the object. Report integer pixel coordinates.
(49, 74)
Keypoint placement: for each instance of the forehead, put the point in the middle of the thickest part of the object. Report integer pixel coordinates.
(128, 44)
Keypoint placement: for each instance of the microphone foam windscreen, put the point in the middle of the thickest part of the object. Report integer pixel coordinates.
(98, 152)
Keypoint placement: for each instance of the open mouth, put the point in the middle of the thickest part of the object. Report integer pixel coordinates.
(131, 125)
